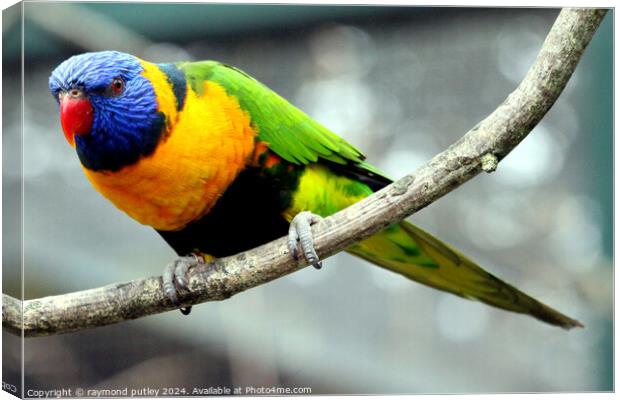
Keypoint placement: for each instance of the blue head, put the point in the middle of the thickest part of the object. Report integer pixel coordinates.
(108, 107)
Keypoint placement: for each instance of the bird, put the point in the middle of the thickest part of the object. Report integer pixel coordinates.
(218, 163)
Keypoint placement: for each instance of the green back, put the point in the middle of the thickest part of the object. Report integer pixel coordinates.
(290, 133)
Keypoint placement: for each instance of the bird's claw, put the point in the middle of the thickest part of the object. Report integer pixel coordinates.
(300, 231)
(175, 278)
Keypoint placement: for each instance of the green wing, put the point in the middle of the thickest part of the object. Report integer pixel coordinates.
(290, 133)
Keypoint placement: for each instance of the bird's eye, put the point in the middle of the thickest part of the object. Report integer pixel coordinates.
(117, 86)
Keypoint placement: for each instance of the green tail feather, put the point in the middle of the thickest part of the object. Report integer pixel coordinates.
(414, 253)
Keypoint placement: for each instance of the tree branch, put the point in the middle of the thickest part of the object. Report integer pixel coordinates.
(478, 150)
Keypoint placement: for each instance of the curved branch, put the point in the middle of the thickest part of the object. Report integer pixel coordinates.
(478, 150)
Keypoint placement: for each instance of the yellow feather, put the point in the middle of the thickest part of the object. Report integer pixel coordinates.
(323, 192)
(208, 144)
(166, 100)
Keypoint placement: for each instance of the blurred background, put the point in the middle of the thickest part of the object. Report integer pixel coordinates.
(401, 83)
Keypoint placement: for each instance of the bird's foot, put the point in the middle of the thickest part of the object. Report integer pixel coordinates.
(175, 278)
(300, 231)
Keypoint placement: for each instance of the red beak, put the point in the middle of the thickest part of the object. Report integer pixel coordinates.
(76, 114)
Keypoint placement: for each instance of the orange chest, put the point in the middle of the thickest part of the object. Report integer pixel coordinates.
(208, 145)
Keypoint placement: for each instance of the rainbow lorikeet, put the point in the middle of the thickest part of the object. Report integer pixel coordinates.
(218, 163)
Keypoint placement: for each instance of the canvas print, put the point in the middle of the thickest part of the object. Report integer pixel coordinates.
(250, 199)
